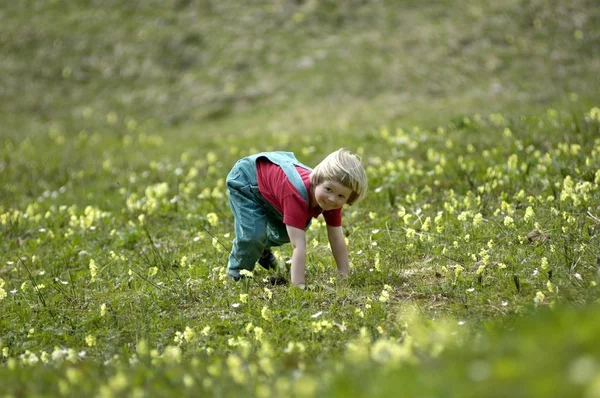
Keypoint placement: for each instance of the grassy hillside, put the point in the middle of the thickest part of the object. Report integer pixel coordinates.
(213, 67)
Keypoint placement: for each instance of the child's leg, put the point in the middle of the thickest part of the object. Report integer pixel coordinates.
(276, 234)
(250, 224)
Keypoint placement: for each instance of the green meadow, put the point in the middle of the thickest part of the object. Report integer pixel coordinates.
(475, 257)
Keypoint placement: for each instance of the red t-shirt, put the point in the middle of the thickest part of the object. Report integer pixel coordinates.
(275, 187)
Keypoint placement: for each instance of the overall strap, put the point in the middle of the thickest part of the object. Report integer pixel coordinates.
(287, 161)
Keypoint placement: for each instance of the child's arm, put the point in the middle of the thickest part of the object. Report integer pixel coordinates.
(298, 240)
(339, 249)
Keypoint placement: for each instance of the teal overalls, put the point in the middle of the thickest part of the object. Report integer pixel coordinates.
(258, 225)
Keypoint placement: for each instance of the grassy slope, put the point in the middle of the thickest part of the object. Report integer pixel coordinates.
(216, 67)
(199, 71)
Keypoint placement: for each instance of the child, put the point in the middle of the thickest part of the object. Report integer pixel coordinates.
(273, 198)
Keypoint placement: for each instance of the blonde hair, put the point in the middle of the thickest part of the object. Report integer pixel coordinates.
(344, 167)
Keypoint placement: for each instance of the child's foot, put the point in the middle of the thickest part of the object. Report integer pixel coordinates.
(267, 260)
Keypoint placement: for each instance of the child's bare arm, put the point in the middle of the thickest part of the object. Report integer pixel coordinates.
(339, 249)
(298, 240)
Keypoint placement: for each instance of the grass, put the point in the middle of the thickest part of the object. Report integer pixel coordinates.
(272, 66)
(474, 257)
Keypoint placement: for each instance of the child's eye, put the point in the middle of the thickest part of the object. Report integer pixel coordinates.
(328, 189)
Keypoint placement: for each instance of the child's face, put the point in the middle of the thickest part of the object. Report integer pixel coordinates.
(331, 195)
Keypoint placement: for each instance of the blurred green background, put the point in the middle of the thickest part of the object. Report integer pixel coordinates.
(207, 67)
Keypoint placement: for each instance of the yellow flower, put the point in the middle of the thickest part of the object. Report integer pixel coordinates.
(211, 157)
(189, 335)
(172, 354)
(234, 363)
(513, 161)
(539, 298)
(93, 270)
(594, 114)
(258, 333)
(269, 293)
(216, 244)
(183, 262)
(246, 273)
(188, 380)
(266, 366)
(388, 352)
(401, 212)
(426, 224)
(529, 213)
(90, 340)
(266, 313)
(485, 259)
(142, 348)
(2, 291)
(213, 219)
(384, 297)
(458, 270)
(178, 338)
